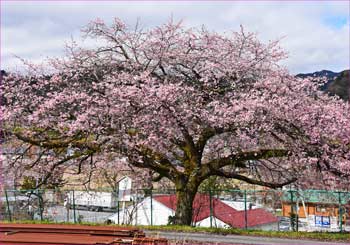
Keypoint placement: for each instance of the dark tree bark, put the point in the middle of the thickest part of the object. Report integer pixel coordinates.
(184, 207)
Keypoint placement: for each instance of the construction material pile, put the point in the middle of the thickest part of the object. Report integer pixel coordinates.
(57, 234)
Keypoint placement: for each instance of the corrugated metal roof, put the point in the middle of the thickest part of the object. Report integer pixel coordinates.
(317, 196)
(222, 211)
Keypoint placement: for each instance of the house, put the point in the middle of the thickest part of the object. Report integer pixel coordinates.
(142, 213)
(318, 209)
(222, 215)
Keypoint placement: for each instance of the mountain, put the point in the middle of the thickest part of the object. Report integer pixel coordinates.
(324, 73)
(338, 82)
(330, 75)
(341, 86)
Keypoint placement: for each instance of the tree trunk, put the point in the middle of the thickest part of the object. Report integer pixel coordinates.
(184, 208)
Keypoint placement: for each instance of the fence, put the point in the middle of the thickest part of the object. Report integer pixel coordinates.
(283, 210)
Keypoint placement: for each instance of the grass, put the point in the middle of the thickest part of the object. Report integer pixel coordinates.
(320, 236)
(317, 236)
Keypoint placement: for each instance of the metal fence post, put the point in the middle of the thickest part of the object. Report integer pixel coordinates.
(67, 203)
(8, 206)
(136, 202)
(211, 208)
(151, 206)
(297, 219)
(245, 210)
(292, 218)
(118, 207)
(74, 214)
(340, 212)
(40, 204)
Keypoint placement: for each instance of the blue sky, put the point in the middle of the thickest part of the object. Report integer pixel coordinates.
(336, 21)
(316, 34)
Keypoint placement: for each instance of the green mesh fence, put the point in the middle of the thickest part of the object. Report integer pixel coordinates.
(280, 210)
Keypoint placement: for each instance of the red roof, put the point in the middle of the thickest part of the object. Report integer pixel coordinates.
(201, 205)
(255, 217)
(222, 211)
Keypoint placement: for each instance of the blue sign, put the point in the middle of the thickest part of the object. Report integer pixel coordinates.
(326, 221)
(323, 221)
(318, 220)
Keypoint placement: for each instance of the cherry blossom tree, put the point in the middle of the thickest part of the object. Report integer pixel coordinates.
(183, 103)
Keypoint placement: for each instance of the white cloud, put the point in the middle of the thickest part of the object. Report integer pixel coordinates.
(34, 30)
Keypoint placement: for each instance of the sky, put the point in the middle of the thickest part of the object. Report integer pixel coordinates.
(314, 33)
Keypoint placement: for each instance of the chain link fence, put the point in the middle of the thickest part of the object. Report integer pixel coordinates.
(282, 210)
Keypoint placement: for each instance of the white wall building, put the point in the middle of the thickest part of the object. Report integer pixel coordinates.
(218, 214)
(141, 214)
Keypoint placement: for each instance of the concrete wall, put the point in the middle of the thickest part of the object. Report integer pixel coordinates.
(215, 222)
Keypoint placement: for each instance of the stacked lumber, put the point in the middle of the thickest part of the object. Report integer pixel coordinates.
(56, 234)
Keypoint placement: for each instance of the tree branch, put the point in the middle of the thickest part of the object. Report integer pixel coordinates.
(234, 175)
(236, 159)
(155, 161)
(59, 143)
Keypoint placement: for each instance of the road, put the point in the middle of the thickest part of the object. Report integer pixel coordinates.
(233, 239)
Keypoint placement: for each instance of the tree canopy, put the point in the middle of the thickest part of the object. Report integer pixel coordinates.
(183, 103)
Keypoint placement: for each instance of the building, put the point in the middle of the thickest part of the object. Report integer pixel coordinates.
(318, 209)
(222, 214)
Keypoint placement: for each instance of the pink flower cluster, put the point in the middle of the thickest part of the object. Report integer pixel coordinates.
(153, 91)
